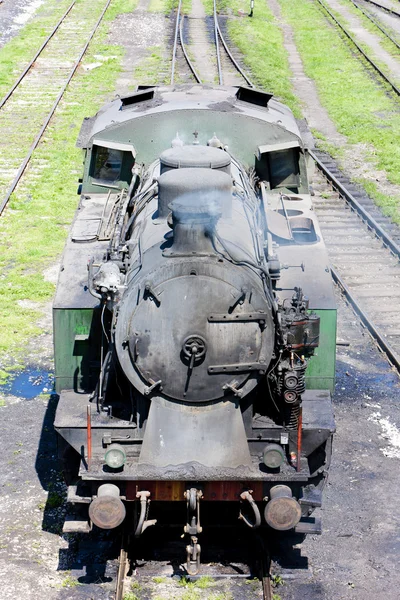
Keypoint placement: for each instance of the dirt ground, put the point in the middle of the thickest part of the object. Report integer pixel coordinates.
(355, 558)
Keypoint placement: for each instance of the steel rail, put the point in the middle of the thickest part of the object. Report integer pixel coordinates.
(369, 60)
(178, 16)
(387, 242)
(185, 54)
(38, 53)
(39, 136)
(265, 568)
(235, 63)
(220, 77)
(371, 18)
(178, 37)
(393, 357)
(385, 8)
(122, 569)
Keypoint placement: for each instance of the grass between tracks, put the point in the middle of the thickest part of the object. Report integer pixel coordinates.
(369, 26)
(363, 109)
(166, 6)
(34, 227)
(366, 24)
(19, 51)
(261, 43)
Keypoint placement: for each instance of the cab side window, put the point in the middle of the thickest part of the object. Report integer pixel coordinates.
(107, 165)
(284, 169)
(111, 167)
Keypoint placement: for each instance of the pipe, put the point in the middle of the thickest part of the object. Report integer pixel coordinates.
(299, 438)
(143, 524)
(257, 517)
(89, 435)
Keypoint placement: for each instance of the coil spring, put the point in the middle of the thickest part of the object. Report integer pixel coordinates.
(292, 416)
(301, 372)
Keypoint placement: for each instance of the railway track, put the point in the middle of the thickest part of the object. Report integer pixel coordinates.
(27, 108)
(383, 7)
(375, 22)
(364, 251)
(133, 573)
(371, 62)
(191, 43)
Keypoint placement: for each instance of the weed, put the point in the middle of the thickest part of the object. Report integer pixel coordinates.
(69, 582)
(130, 596)
(277, 580)
(204, 582)
(254, 583)
(135, 585)
(2, 402)
(54, 500)
(159, 579)
(191, 594)
(148, 72)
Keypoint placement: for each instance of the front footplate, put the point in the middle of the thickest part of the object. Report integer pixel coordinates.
(309, 525)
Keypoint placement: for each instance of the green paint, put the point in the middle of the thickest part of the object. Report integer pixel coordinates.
(75, 348)
(320, 374)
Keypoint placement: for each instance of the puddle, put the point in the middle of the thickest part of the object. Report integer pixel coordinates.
(29, 383)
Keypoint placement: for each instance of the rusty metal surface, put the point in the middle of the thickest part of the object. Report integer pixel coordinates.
(213, 491)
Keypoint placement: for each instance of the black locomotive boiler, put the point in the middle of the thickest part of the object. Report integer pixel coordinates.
(194, 319)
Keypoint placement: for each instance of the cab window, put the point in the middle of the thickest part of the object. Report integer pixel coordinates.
(111, 167)
(284, 168)
(107, 165)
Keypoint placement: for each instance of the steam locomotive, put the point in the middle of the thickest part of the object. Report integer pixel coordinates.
(194, 318)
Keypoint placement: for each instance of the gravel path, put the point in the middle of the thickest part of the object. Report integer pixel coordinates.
(316, 115)
(355, 157)
(355, 26)
(13, 15)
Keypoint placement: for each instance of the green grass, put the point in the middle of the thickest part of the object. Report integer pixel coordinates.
(204, 582)
(17, 54)
(151, 67)
(369, 26)
(385, 43)
(130, 596)
(166, 6)
(160, 580)
(34, 227)
(361, 110)
(54, 500)
(191, 594)
(261, 43)
(69, 582)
